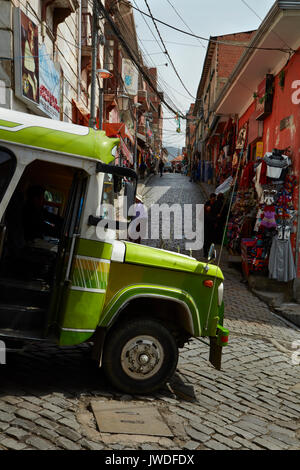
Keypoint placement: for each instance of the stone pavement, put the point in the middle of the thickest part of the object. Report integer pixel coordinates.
(253, 403)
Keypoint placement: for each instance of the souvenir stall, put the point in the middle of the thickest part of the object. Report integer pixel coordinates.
(262, 216)
(269, 250)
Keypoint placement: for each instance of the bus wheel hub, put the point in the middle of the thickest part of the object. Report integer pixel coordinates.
(142, 357)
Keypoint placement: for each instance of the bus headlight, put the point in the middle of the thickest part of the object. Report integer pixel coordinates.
(220, 293)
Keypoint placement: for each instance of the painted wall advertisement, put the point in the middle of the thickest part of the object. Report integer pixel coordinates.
(37, 80)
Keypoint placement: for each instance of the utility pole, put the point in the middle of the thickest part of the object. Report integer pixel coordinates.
(135, 146)
(136, 106)
(92, 122)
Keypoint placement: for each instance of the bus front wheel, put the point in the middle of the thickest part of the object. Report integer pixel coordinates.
(140, 355)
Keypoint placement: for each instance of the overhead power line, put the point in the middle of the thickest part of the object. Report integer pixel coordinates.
(117, 32)
(127, 33)
(216, 41)
(166, 51)
(257, 15)
(178, 14)
(163, 52)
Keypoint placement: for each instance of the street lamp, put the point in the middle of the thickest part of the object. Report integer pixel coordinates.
(102, 73)
(123, 102)
(136, 106)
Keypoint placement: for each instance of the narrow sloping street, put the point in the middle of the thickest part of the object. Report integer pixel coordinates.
(253, 403)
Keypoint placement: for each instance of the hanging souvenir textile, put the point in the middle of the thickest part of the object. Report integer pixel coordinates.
(281, 261)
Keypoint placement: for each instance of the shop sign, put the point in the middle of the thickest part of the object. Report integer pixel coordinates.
(130, 77)
(49, 84)
(37, 78)
(259, 150)
(26, 58)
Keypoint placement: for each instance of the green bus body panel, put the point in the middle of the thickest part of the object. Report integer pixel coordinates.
(82, 306)
(82, 310)
(179, 279)
(143, 290)
(95, 144)
(123, 276)
(148, 256)
(94, 249)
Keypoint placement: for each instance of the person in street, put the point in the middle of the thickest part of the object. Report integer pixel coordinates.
(210, 219)
(193, 172)
(161, 167)
(142, 169)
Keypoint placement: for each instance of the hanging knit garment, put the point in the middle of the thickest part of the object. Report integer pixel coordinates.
(281, 261)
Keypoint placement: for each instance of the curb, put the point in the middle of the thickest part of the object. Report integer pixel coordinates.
(141, 186)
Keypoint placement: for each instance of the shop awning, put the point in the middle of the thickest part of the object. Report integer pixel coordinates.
(117, 129)
(80, 113)
(81, 108)
(126, 152)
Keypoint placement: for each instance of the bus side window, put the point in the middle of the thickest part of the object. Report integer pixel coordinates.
(7, 169)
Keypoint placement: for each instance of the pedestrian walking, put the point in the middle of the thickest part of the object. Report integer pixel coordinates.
(161, 167)
(193, 173)
(142, 169)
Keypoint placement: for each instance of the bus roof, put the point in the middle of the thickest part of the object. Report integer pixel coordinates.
(39, 132)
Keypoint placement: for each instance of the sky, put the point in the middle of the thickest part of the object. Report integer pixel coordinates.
(204, 18)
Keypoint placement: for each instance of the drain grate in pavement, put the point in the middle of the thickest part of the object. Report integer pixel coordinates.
(122, 418)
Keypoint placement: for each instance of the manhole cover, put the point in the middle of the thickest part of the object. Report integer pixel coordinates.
(122, 418)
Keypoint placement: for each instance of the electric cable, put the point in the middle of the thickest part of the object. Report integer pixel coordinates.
(216, 41)
(158, 43)
(178, 14)
(160, 81)
(273, 32)
(167, 53)
(172, 42)
(118, 34)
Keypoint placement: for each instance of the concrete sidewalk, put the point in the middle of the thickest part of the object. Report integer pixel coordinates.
(142, 183)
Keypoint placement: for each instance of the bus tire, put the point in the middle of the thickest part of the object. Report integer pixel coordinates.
(140, 355)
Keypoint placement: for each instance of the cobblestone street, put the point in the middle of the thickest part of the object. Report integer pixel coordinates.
(253, 403)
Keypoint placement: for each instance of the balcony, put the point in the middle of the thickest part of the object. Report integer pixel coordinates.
(61, 10)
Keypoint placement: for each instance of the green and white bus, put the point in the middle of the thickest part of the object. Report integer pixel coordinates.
(59, 281)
